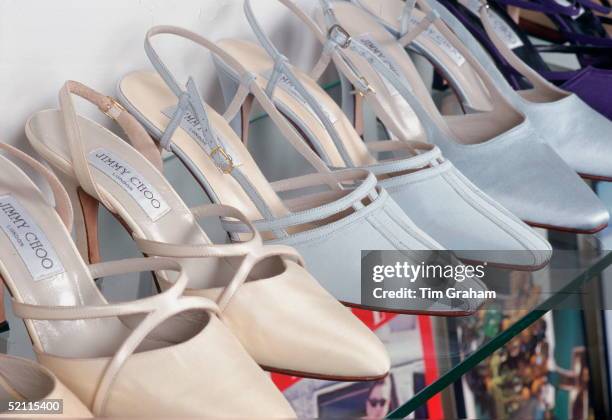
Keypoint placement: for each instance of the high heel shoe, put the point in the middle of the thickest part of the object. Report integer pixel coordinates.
(329, 228)
(528, 177)
(580, 135)
(86, 341)
(27, 385)
(111, 172)
(425, 185)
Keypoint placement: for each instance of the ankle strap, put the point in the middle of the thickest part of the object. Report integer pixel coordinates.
(60, 196)
(135, 132)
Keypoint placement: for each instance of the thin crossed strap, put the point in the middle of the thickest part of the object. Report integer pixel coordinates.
(189, 100)
(367, 188)
(252, 249)
(62, 203)
(156, 309)
(136, 134)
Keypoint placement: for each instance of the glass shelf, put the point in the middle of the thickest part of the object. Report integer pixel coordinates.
(565, 284)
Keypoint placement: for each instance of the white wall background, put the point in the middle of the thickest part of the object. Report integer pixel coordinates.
(45, 42)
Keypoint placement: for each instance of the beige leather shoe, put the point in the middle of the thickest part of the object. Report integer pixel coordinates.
(121, 359)
(286, 321)
(24, 383)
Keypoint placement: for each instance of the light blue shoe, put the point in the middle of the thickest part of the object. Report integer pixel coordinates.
(501, 150)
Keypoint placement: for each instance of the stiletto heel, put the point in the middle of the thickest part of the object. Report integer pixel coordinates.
(89, 207)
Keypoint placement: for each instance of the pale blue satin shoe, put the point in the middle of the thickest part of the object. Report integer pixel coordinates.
(578, 133)
(501, 150)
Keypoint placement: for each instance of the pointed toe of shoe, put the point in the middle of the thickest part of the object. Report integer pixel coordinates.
(583, 212)
(298, 328)
(535, 184)
(465, 220)
(581, 135)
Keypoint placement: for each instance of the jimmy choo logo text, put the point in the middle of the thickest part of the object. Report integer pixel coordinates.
(133, 182)
(31, 244)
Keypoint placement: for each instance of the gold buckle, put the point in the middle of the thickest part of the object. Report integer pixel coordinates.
(221, 151)
(343, 32)
(113, 104)
(369, 88)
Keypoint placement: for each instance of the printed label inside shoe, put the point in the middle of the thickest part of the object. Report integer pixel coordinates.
(214, 146)
(131, 181)
(31, 244)
(501, 28)
(374, 47)
(440, 40)
(287, 85)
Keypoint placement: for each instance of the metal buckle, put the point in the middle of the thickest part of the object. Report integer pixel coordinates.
(230, 162)
(343, 32)
(114, 104)
(369, 88)
(484, 4)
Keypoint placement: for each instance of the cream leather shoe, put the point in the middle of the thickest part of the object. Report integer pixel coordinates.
(120, 359)
(23, 381)
(265, 295)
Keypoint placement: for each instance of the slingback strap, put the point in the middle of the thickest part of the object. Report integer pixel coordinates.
(282, 70)
(135, 132)
(190, 100)
(496, 98)
(156, 309)
(342, 41)
(62, 203)
(366, 188)
(399, 83)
